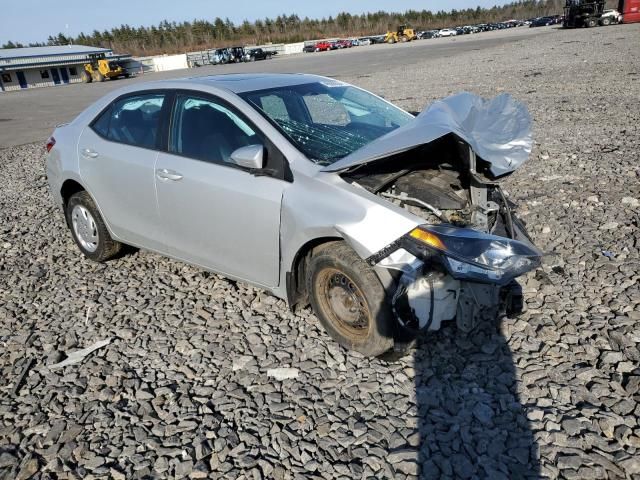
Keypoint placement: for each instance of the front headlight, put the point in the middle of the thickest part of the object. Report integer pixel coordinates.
(472, 255)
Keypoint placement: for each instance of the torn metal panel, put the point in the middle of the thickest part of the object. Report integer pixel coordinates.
(79, 355)
(498, 130)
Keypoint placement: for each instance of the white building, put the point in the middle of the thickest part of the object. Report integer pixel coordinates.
(46, 66)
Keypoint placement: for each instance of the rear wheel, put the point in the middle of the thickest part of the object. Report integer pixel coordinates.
(605, 21)
(89, 230)
(349, 300)
(404, 38)
(591, 22)
(86, 78)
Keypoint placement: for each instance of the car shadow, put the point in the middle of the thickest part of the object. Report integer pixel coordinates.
(471, 422)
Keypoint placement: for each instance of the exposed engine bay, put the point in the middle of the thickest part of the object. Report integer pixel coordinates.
(443, 183)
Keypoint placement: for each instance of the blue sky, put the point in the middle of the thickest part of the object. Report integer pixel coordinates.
(34, 20)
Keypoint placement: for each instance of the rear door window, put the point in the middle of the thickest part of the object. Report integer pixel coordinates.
(132, 120)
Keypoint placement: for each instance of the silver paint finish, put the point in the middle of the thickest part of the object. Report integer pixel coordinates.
(221, 217)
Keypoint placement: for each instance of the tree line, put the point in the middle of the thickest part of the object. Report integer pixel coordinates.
(177, 37)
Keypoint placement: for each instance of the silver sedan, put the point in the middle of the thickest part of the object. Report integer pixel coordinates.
(313, 189)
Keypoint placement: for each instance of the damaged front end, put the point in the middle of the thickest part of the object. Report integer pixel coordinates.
(462, 261)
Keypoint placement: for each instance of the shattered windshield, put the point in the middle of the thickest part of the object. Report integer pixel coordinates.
(327, 121)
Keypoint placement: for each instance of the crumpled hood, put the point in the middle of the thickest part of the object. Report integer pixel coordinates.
(498, 130)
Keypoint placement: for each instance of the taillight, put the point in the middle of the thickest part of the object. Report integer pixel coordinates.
(50, 143)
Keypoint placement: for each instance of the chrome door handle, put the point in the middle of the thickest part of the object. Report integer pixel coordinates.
(166, 174)
(88, 153)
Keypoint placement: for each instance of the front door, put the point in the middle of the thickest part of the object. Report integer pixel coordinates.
(21, 80)
(64, 74)
(117, 156)
(56, 76)
(213, 213)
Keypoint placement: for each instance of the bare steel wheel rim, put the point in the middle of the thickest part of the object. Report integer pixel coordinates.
(85, 228)
(344, 303)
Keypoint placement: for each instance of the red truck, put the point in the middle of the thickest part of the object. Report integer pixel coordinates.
(630, 10)
(323, 46)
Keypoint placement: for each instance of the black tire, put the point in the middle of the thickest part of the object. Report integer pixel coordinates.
(605, 22)
(106, 247)
(342, 287)
(86, 78)
(268, 56)
(591, 22)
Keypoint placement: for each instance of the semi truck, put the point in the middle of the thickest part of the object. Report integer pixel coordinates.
(591, 13)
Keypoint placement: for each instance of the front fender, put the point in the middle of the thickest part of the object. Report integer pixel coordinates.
(325, 206)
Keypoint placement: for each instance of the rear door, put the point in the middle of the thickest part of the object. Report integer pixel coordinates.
(117, 155)
(213, 213)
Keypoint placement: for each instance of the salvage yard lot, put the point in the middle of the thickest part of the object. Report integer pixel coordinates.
(189, 383)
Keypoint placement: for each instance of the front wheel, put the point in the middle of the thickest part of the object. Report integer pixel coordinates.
(605, 22)
(591, 23)
(89, 230)
(349, 300)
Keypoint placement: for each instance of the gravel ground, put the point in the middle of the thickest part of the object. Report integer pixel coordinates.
(205, 376)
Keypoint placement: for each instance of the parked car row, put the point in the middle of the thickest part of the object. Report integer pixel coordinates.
(545, 21)
(325, 45)
(468, 29)
(239, 54)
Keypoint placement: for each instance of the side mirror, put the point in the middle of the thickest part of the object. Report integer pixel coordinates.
(251, 156)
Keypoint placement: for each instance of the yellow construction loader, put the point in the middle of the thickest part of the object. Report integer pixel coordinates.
(100, 68)
(403, 34)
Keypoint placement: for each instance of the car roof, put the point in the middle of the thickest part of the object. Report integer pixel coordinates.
(232, 82)
(247, 82)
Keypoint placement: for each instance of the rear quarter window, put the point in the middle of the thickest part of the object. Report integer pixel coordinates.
(101, 124)
(133, 120)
